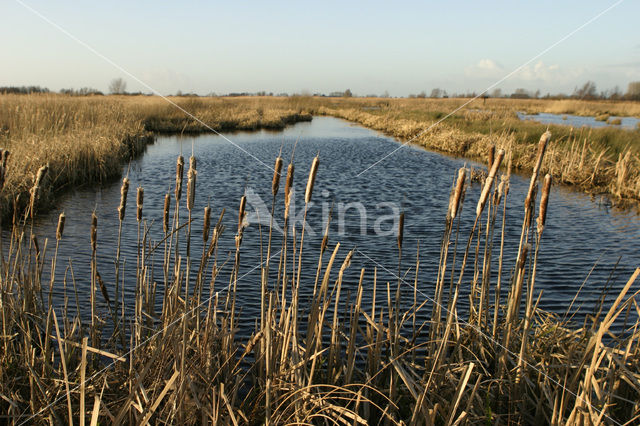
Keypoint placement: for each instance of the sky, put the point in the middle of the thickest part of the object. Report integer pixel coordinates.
(369, 47)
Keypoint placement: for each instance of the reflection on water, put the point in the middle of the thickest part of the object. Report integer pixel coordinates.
(580, 121)
(580, 234)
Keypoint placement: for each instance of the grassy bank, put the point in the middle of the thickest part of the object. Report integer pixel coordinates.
(603, 160)
(88, 139)
(329, 360)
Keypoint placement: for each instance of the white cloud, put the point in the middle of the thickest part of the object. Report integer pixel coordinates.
(540, 72)
(484, 68)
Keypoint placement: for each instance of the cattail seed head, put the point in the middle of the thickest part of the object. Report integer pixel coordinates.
(325, 241)
(275, 185)
(492, 153)
(400, 230)
(312, 179)
(207, 223)
(5, 157)
(165, 213)
(542, 146)
(35, 190)
(36, 246)
(544, 201)
(523, 256)
(528, 213)
(42, 172)
(179, 174)
(191, 183)
(288, 186)
(139, 203)
(94, 231)
(457, 193)
(241, 212)
(60, 228)
(489, 182)
(124, 190)
(499, 192)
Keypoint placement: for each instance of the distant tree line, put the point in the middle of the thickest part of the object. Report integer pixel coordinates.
(587, 91)
(23, 90)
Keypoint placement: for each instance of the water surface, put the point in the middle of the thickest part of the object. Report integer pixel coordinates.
(583, 240)
(628, 123)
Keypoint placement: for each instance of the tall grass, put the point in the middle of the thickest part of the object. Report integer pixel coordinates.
(332, 360)
(86, 140)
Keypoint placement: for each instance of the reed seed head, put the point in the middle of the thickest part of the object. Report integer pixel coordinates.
(191, 183)
(457, 193)
(312, 179)
(165, 213)
(139, 203)
(124, 190)
(94, 231)
(207, 223)
(544, 201)
(489, 182)
(179, 175)
(275, 185)
(60, 227)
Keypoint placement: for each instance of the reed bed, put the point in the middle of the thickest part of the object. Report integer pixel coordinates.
(87, 139)
(599, 161)
(173, 354)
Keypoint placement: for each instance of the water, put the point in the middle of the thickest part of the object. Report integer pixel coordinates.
(581, 234)
(629, 123)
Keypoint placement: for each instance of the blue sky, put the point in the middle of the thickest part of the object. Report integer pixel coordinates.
(370, 47)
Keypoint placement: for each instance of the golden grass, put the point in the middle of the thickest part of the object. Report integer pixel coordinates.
(87, 139)
(314, 362)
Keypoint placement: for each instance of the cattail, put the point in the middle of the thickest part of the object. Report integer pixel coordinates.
(191, 183)
(325, 241)
(139, 202)
(544, 201)
(35, 191)
(528, 213)
(36, 246)
(489, 182)
(5, 157)
(542, 146)
(288, 186)
(165, 212)
(400, 230)
(60, 228)
(207, 223)
(275, 185)
(457, 194)
(500, 191)
(312, 179)
(492, 154)
(179, 173)
(124, 190)
(42, 172)
(241, 212)
(94, 231)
